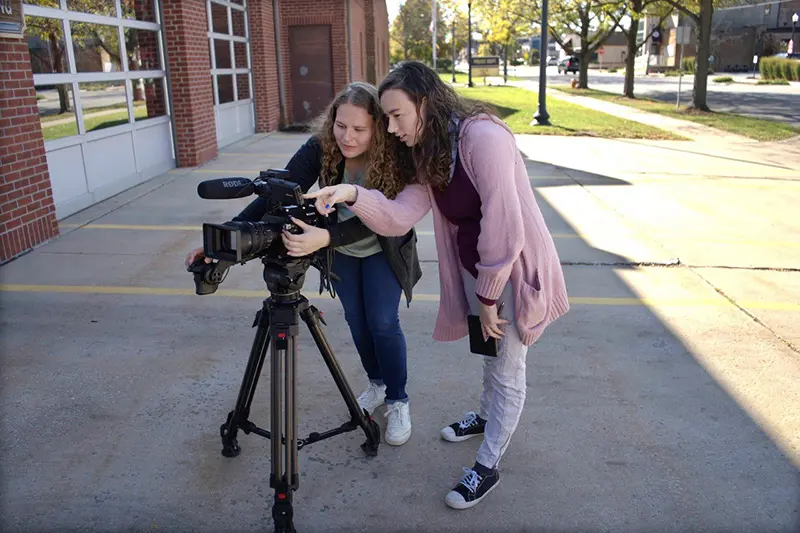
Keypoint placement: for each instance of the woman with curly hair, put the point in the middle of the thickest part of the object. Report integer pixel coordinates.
(350, 145)
(497, 259)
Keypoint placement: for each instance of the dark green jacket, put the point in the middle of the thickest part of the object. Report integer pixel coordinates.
(401, 252)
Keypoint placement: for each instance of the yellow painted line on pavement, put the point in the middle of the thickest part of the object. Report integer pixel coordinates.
(574, 300)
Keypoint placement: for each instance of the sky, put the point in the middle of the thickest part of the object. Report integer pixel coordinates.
(393, 7)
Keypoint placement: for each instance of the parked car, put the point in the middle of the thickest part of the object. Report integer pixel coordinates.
(552, 61)
(569, 64)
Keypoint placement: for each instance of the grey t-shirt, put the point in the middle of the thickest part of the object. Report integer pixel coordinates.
(367, 246)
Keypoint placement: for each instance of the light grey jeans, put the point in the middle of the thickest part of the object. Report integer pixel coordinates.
(503, 380)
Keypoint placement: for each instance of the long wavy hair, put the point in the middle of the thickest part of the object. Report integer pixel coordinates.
(431, 153)
(383, 171)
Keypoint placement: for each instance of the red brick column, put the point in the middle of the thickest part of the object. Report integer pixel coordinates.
(369, 15)
(185, 28)
(27, 211)
(264, 65)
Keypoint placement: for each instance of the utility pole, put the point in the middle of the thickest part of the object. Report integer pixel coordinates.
(469, 43)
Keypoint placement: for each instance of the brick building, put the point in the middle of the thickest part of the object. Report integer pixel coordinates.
(97, 97)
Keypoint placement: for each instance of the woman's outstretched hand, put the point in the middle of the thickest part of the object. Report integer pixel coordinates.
(327, 197)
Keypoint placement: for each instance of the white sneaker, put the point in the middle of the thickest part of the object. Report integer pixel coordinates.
(372, 398)
(398, 425)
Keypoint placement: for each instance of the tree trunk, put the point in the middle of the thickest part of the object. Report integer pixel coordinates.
(505, 64)
(583, 72)
(700, 90)
(57, 66)
(630, 58)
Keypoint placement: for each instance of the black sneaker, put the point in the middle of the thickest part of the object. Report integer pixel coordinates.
(471, 426)
(472, 488)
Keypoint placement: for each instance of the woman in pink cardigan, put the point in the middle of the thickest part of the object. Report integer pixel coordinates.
(495, 250)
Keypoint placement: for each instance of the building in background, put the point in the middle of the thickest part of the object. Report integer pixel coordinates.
(100, 96)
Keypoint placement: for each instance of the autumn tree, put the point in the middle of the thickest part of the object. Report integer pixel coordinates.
(635, 11)
(505, 20)
(592, 20)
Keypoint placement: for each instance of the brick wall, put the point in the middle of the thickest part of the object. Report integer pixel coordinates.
(380, 20)
(264, 65)
(185, 30)
(358, 38)
(27, 211)
(304, 12)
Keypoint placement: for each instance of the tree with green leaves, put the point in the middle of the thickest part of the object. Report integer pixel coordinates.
(634, 12)
(504, 20)
(591, 20)
(701, 13)
(412, 35)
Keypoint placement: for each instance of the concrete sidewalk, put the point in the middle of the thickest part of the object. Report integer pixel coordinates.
(666, 400)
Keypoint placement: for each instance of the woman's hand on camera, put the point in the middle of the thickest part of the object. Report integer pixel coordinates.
(194, 255)
(491, 323)
(308, 242)
(327, 197)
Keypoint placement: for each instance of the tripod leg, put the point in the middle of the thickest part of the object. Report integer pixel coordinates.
(241, 412)
(311, 317)
(283, 415)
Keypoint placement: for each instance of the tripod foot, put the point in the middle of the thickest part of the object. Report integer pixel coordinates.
(370, 447)
(230, 446)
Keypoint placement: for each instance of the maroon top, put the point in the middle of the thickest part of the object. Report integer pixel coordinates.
(460, 204)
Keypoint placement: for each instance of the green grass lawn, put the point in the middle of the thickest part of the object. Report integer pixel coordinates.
(753, 128)
(517, 106)
(57, 131)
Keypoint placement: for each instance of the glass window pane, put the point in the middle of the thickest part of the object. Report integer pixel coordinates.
(222, 50)
(46, 45)
(242, 86)
(96, 47)
(239, 2)
(225, 88)
(219, 18)
(237, 21)
(95, 7)
(149, 98)
(139, 10)
(142, 49)
(103, 104)
(56, 111)
(240, 54)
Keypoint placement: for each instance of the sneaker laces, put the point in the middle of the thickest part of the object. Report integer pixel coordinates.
(471, 479)
(469, 421)
(372, 392)
(397, 409)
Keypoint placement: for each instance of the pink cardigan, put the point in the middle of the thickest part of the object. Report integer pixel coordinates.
(514, 242)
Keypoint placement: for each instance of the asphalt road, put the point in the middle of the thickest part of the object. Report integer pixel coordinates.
(773, 102)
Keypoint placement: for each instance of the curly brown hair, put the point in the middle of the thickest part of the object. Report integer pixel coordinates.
(431, 154)
(383, 170)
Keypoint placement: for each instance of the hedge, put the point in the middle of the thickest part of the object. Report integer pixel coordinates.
(778, 68)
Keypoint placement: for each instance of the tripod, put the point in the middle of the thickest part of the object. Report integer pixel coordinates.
(277, 321)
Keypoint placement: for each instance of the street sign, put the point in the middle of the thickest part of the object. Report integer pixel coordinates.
(483, 66)
(684, 34)
(12, 22)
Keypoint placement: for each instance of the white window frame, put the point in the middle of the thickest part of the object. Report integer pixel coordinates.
(214, 71)
(128, 76)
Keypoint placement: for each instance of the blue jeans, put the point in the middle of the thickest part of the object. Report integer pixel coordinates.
(370, 295)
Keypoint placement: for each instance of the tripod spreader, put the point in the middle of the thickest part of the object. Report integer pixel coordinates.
(278, 321)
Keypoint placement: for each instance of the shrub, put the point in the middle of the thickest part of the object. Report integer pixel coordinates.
(778, 68)
(723, 79)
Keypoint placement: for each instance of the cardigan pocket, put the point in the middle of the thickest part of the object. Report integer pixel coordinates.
(532, 307)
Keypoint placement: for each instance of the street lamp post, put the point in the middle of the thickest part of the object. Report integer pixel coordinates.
(469, 43)
(541, 117)
(454, 48)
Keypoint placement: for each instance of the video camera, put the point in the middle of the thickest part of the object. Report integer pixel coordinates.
(241, 241)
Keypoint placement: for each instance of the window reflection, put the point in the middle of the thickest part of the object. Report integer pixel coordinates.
(219, 18)
(222, 53)
(96, 47)
(225, 88)
(242, 86)
(149, 99)
(95, 7)
(103, 104)
(142, 49)
(56, 111)
(46, 45)
(143, 10)
(237, 21)
(240, 54)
